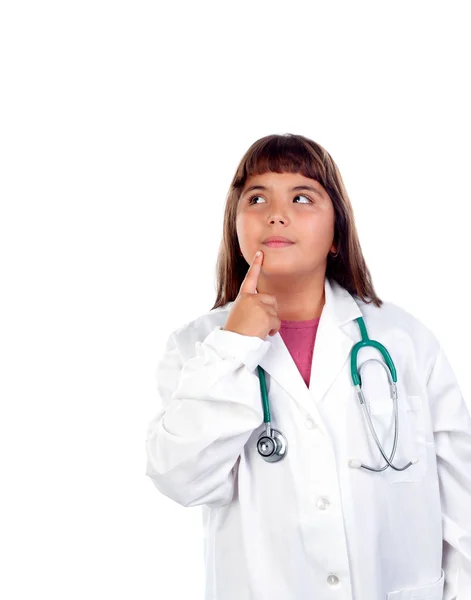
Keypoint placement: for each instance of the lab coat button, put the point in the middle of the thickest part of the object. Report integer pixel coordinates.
(310, 423)
(322, 503)
(333, 580)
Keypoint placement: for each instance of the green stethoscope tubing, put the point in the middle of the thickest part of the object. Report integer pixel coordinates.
(365, 341)
(356, 379)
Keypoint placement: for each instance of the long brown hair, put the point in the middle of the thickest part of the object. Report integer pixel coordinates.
(294, 154)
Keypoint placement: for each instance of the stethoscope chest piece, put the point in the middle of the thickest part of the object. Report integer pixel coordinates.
(272, 447)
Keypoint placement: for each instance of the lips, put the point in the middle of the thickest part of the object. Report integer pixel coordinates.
(278, 244)
(277, 238)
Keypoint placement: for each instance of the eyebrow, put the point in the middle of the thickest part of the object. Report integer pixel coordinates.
(294, 189)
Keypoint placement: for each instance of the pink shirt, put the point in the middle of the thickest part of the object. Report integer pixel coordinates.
(299, 337)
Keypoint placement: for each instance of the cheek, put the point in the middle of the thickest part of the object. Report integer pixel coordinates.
(240, 225)
(317, 232)
(245, 226)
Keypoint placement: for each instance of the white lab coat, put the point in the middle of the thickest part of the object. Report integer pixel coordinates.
(310, 526)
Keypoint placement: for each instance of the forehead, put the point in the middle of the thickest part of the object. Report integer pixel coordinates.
(280, 178)
(279, 181)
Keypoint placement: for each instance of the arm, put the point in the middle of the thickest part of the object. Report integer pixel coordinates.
(452, 435)
(209, 406)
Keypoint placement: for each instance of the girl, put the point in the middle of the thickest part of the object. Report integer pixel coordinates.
(354, 482)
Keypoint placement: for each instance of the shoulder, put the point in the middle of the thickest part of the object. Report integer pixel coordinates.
(196, 330)
(393, 319)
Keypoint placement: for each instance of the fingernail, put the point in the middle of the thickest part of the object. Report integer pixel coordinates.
(257, 253)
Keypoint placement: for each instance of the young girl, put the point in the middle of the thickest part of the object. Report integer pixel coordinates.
(321, 473)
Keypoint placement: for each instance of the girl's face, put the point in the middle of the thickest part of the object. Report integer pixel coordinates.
(304, 216)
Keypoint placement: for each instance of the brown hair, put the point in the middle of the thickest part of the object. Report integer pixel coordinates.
(294, 154)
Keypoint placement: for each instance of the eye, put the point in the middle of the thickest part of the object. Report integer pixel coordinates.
(297, 196)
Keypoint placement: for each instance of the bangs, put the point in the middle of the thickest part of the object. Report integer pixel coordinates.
(283, 154)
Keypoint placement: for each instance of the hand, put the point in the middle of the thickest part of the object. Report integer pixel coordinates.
(252, 313)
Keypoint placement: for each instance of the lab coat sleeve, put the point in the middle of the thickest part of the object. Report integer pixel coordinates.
(452, 436)
(209, 405)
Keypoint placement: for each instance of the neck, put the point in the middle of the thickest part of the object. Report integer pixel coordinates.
(300, 302)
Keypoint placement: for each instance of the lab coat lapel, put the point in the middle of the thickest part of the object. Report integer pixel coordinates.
(331, 349)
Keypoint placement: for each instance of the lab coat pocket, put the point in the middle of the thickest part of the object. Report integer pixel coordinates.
(411, 444)
(431, 591)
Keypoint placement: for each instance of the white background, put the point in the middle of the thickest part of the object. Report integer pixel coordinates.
(122, 124)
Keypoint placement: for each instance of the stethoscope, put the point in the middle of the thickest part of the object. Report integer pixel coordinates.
(272, 445)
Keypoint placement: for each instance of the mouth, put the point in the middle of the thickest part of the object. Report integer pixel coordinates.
(276, 238)
(278, 244)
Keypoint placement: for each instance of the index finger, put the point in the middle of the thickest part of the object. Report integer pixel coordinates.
(249, 285)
